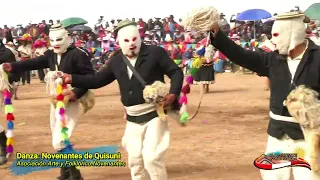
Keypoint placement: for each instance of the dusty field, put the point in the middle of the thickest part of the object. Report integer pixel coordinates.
(220, 144)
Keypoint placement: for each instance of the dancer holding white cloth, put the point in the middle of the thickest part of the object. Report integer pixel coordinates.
(146, 137)
(294, 62)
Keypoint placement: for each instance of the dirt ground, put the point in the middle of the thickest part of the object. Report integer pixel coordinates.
(221, 143)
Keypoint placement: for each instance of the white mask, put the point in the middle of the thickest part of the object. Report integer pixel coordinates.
(129, 40)
(288, 33)
(59, 39)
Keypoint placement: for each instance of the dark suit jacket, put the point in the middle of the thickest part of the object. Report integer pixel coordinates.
(7, 56)
(275, 67)
(152, 64)
(74, 61)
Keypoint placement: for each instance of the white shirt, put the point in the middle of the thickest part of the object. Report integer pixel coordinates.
(133, 61)
(58, 58)
(294, 63)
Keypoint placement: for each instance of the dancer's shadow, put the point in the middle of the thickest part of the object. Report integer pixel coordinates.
(215, 91)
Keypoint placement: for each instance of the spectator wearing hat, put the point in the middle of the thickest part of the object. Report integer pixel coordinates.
(141, 31)
(188, 37)
(147, 41)
(224, 25)
(158, 22)
(187, 55)
(91, 42)
(43, 27)
(172, 51)
(172, 25)
(8, 53)
(150, 25)
(205, 75)
(25, 50)
(147, 35)
(40, 46)
(105, 44)
(19, 30)
(180, 22)
(178, 37)
(165, 28)
(143, 24)
(156, 33)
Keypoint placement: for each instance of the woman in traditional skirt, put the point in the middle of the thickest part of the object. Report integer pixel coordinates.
(205, 74)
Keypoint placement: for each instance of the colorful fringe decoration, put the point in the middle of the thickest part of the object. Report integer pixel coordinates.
(5, 87)
(195, 65)
(184, 115)
(183, 101)
(61, 107)
(8, 110)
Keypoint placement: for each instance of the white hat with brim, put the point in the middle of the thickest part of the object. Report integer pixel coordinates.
(289, 15)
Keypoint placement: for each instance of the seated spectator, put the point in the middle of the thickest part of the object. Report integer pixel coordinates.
(178, 37)
(188, 54)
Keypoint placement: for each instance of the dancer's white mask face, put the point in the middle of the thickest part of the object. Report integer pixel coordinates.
(129, 40)
(287, 34)
(59, 40)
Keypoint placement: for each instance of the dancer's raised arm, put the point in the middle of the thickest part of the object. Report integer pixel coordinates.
(254, 61)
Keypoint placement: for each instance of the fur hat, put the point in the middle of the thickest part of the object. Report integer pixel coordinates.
(292, 31)
(123, 24)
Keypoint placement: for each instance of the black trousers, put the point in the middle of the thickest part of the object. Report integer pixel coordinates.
(25, 77)
(41, 74)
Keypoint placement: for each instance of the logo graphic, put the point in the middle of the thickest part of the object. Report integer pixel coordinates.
(279, 160)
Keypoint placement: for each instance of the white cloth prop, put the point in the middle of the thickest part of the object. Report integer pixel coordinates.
(288, 31)
(154, 94)
(129, 40)
(209, 54)
(59, 39)
(71, 118)
(304, 106)
(52, 80)
(61, 119)
(4, 82)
